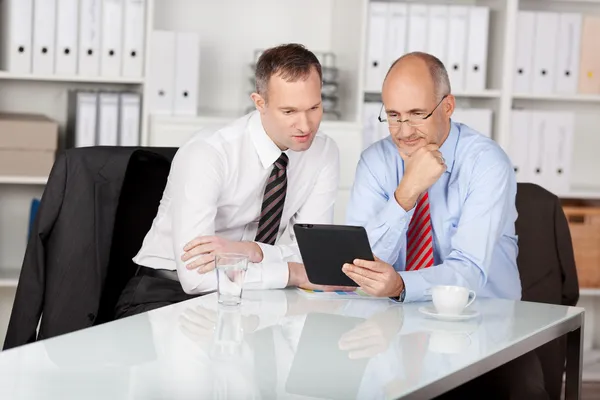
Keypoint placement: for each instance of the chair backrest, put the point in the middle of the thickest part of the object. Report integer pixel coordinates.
(143, 185)
(546, 261)
(547, 268)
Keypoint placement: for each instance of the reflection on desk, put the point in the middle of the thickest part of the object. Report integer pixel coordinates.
(277, 344)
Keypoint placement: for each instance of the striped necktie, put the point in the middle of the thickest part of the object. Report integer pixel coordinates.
(419, 240)
(273, 200)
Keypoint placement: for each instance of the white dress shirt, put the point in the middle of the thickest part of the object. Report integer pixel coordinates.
(216, 187)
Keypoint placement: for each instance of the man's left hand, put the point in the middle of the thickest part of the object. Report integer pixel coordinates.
(206, 247)
(376, 278)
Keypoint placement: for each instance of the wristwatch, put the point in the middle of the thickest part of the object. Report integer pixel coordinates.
(401, 297)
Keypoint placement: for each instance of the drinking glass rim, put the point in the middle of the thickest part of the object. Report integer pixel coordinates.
(230, 255)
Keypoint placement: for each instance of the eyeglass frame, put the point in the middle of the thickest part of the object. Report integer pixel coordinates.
(400, 122)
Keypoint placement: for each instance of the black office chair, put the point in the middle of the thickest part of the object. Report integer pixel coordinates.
(547, 268)
(97, 206)
(142, 190)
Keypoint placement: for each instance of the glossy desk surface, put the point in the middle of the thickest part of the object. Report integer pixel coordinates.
(279, 344)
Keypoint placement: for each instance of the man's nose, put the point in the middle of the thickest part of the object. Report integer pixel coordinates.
(302, 123)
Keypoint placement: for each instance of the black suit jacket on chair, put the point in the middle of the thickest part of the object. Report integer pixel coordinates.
(547, 268)
(68, 252)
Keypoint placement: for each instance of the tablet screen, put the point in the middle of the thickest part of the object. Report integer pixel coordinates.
(326, 248)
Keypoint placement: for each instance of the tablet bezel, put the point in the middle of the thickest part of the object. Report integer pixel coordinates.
(322, 246)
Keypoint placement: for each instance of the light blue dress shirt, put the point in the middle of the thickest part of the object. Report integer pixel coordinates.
(473, 213)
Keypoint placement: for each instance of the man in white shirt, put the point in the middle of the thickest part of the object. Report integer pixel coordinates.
(239, 189)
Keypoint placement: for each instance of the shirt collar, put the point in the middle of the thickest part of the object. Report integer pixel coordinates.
(267, 150)
(448, 148)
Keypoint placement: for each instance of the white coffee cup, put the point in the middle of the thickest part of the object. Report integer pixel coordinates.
(451, 300)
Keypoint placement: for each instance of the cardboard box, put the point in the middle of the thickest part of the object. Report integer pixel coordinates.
(26, 162)
(19, 131)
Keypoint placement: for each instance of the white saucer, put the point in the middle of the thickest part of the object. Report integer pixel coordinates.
(432, 312)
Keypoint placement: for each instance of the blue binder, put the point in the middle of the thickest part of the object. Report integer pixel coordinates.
(35, 204)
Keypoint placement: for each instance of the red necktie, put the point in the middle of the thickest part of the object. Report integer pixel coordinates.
(419, 240)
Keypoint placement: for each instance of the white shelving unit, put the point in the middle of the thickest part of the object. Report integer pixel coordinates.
(69, 78)
(229, 35)
(24, 180)
(9, 278)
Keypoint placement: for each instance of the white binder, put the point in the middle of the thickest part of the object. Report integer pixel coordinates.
(479, 119)
(376, 59)
(544, 52)
(538, 147)
(187, 70)
(111, 43)
(67, 29)
(396, 36)
(518, 146)
(44, 28)
(134, 33)
(373, 130)
(418, 16)
(161, 81)
(108, 119)
(90, 17)
(129, 119)
(437, 36)
(457, 46)
(523, 70)
(567, 53)
(16, 35)
(86, 116)
(559, 139)
(477, 47)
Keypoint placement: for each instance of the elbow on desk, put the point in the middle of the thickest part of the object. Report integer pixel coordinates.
(194, 283)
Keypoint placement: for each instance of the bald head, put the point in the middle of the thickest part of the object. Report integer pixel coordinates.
(423, 68)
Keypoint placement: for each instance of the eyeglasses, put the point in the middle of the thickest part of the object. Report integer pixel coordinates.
(415, 119)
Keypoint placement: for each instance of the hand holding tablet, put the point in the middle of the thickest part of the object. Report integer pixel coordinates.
(341, 255)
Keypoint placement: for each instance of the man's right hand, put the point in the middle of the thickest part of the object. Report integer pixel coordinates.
(422, 169)
(299, 278)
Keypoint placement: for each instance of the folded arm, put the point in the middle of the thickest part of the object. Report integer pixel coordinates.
(384, 219)
(489, 205)
(195, 207)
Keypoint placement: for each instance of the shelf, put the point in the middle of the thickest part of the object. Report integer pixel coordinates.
(222, 118)
(589, 292)
(486, 94)
(581, 98)
(9, 277)
(4, 75)
(581, 194)
(23, 180)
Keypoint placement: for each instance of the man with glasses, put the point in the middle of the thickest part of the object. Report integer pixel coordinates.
(436, 197)
(438, 202)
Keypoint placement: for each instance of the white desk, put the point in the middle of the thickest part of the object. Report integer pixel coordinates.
(282, 344)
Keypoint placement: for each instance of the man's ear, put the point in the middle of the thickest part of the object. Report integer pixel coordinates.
(449, 105)
(259, 102)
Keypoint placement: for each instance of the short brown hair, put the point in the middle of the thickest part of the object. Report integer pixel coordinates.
(290, 61)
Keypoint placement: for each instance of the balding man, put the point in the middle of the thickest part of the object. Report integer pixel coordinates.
(437, 199)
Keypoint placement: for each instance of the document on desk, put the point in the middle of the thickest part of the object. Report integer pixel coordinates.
(340, 294)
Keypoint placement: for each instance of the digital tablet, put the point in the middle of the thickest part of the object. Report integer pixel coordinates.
(326, 248)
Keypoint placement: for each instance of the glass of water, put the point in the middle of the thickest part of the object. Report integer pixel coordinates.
(231, 272)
